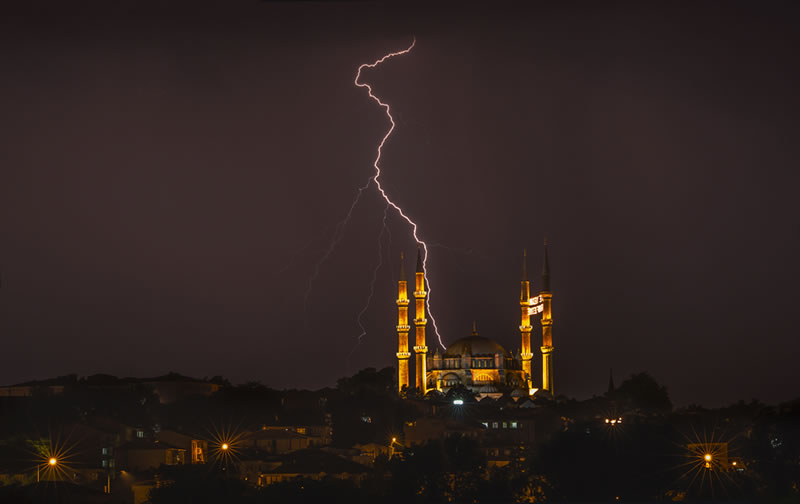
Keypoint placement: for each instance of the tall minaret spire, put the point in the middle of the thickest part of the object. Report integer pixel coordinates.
(402, 328)
(547, 326)
(546, 270)
(525, 320)
(420, 347)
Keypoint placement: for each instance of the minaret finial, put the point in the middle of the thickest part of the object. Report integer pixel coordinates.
(546, 270)
(402, 266)
(474, 328)
(420, 269)
(524, 264)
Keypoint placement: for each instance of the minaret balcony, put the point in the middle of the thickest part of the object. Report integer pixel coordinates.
(403, 355)
(525, 328)
(403, 328)
(421, 349)
(527, 356)
(420, 294)
(402, 302)
(420, 321)
(547, 349)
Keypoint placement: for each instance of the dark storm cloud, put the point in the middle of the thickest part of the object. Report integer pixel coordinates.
(171, 172)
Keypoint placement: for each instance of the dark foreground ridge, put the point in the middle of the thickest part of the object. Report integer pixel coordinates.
(174, 439)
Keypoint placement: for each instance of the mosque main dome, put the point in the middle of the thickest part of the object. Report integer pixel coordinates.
(475, 345)
(475, 362)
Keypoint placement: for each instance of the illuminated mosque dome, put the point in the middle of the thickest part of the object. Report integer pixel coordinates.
(476, 345)
(478, 363)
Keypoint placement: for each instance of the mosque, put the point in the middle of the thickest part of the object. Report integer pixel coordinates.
(478, 363)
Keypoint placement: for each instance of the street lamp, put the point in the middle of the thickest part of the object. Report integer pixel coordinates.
(391, 446)
(707, 457)
(52, 462)
(225, 446)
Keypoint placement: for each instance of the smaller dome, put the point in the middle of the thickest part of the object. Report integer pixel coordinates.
(517, 393)
(488, 389)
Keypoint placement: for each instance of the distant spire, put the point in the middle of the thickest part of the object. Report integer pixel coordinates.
(420, 269)
(524, 265)
(546, 270)
(610, 380)
(402, 266)
(474, 328)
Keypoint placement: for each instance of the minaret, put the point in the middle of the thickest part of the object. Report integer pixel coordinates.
(402, 328)
(547, 327)
(525, 320)
(419, 323)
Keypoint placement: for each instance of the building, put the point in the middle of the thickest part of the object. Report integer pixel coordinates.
(196, 448)
(314, 464)
(475, 362)
(276, 441)
(143, 454)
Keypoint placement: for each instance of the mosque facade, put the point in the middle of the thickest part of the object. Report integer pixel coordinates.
(478, 363)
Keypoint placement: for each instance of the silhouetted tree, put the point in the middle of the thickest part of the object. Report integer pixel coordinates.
(643, 393)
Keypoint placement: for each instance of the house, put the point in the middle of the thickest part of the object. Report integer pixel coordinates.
(276, 441)
(143, 454)
(314, 464)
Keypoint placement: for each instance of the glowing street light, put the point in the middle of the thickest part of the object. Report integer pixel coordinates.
(52, 462)
(225, 446)
(707, 457)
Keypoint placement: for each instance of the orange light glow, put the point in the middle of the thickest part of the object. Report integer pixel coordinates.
(52, 461)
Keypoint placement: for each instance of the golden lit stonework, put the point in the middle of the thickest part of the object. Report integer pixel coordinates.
(475, 362)
(402, 329)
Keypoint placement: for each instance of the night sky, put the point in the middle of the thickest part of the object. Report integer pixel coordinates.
(172, 172)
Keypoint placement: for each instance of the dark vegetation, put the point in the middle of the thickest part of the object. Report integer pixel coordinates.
(577, 456)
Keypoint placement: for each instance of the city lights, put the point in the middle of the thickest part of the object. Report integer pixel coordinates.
(224, 445)
(708, 467)
(53, 458)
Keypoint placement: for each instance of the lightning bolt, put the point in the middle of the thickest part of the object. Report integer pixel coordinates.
(338, 234)
(359, 321)
(376, 177)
